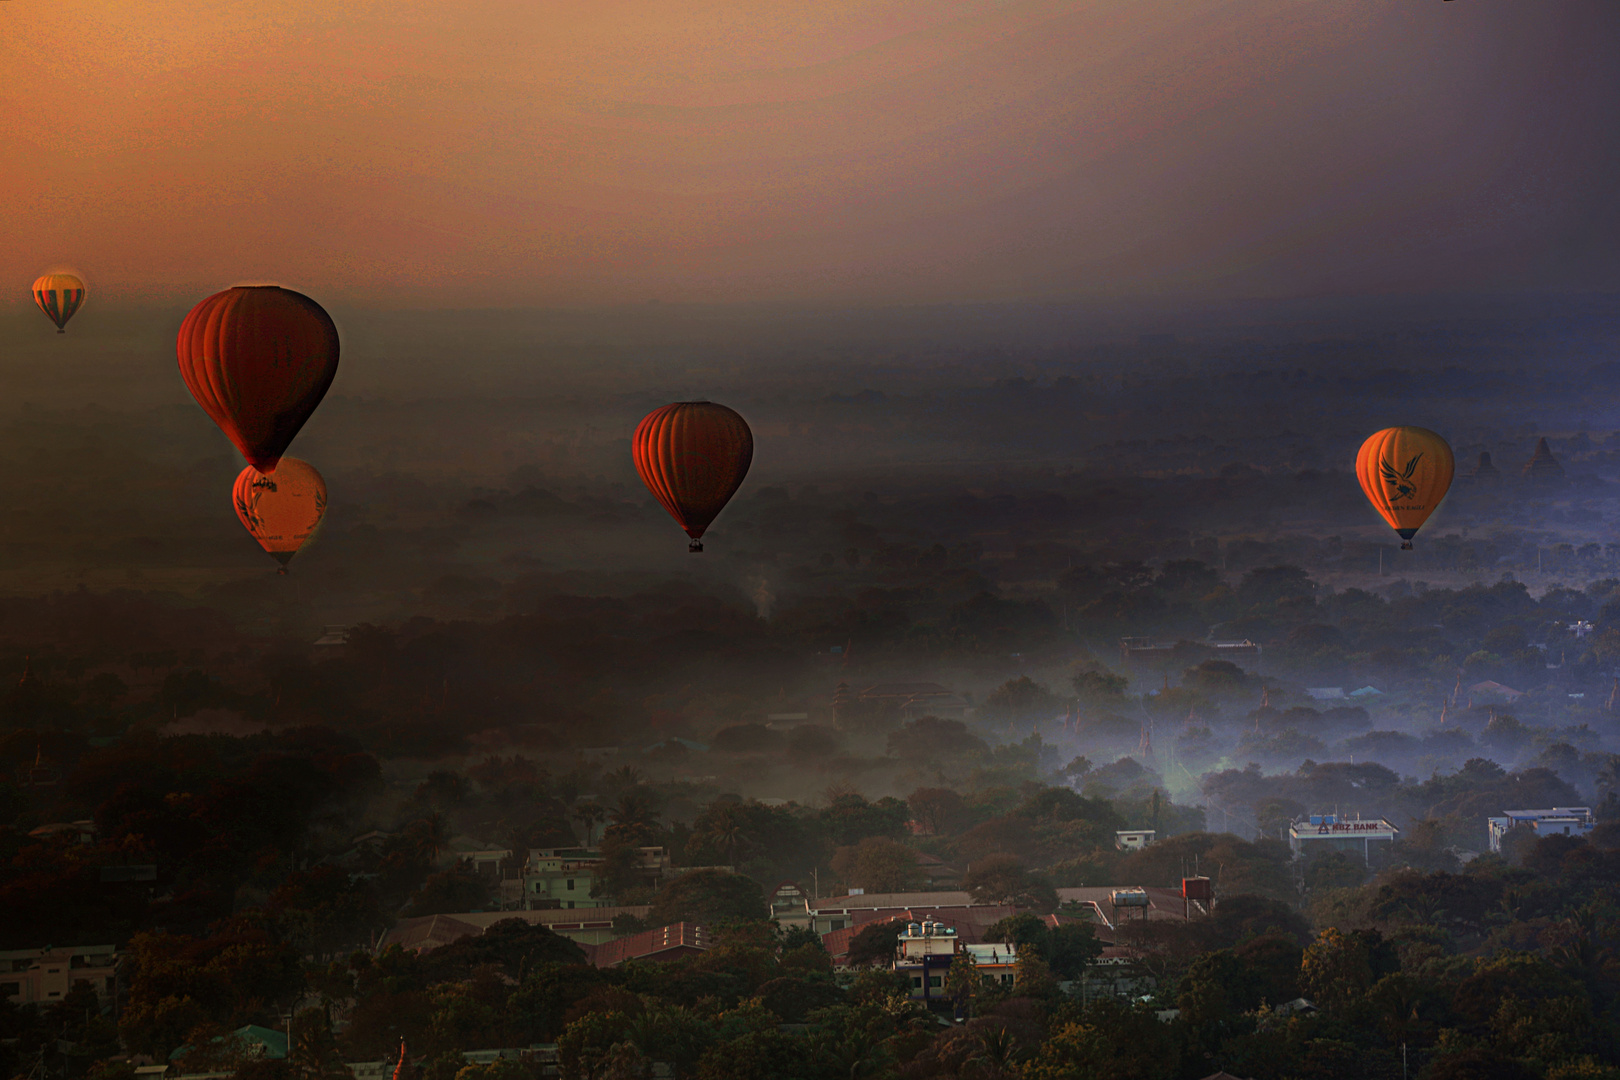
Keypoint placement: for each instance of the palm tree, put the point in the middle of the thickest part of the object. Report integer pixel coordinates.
(430, 834)
(727, 831)
(634, 813)
(625, 776)
(589, 814)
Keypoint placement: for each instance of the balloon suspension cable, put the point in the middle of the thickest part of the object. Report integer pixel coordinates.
(695, 547)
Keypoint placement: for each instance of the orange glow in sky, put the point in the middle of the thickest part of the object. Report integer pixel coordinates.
(518, 152)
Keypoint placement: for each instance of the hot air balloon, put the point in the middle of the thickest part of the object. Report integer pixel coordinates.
(692, 456)
(258, 359)
(59, 296)
(281, 510)
(1405, 472)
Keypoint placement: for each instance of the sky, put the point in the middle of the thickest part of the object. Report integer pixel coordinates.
(528, 153)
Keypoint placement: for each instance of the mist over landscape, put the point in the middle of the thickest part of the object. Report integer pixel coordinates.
(989, 540)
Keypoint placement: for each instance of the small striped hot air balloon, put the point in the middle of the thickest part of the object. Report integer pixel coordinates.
(59, 296)
(692, 456)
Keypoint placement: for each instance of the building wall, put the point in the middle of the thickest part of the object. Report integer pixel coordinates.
(42, 976)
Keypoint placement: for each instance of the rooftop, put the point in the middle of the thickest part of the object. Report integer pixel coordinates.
(677, 938)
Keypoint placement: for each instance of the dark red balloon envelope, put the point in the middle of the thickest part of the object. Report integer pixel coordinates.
(692, 456)
(258, 359)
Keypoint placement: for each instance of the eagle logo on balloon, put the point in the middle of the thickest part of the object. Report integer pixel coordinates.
(1400, 481)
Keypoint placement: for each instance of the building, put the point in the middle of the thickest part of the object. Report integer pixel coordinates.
(897, 701)
(333, 638)
(562, 878)
(1136, 653)
(666, 943)
(586, 926)
(788, 905)
(1493, 693)
(1553, 821)
(252, 1041)
(839, 912)
(1543, 468)
(566, 877)
(1134, 839)
(1322, 833)
(41, 976)
(926, 950)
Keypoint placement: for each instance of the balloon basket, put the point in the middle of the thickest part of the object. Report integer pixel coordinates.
(1406, 546)
(59, 330)
(282, 572)
(695, 547)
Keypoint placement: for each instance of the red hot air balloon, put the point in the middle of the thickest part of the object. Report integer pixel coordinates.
(283, 510)
(258, 359)
(692, 456)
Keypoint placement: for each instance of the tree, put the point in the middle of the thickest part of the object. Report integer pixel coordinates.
(851, 818)
(1021, 700)
(1021, 930)
(937, 810)
(1339, 967)
(175, 982)
(708, 897)
(589, 814)
(1477, 1063)
(875, 943)
(1073, 948)
(878, 865)
(1215, 677)
(1003, 879)
(514, 944)
(449, 891)
(1100, 687)
(1269, 584)
(929, 738)
(962, 983)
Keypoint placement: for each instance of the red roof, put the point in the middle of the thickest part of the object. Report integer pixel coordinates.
(421, 935)
(666, 943)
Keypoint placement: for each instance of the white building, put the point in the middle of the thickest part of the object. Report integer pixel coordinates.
(1322, 833)
(41, 976)
(926, 950)
(1134, 839)
(1555, 820)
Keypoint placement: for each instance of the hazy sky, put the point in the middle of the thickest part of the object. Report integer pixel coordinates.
(518, 152)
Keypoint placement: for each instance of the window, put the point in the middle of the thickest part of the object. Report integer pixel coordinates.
(570, 884)
(916, 982)
(20, 965)
(570, 905)
(10, 989)
(836, 924)
(936, 980)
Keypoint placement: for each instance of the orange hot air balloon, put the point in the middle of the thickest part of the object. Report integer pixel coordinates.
(59, 296)
(281, 510)
(1405, 472)
(258, 359)
(692, 456)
